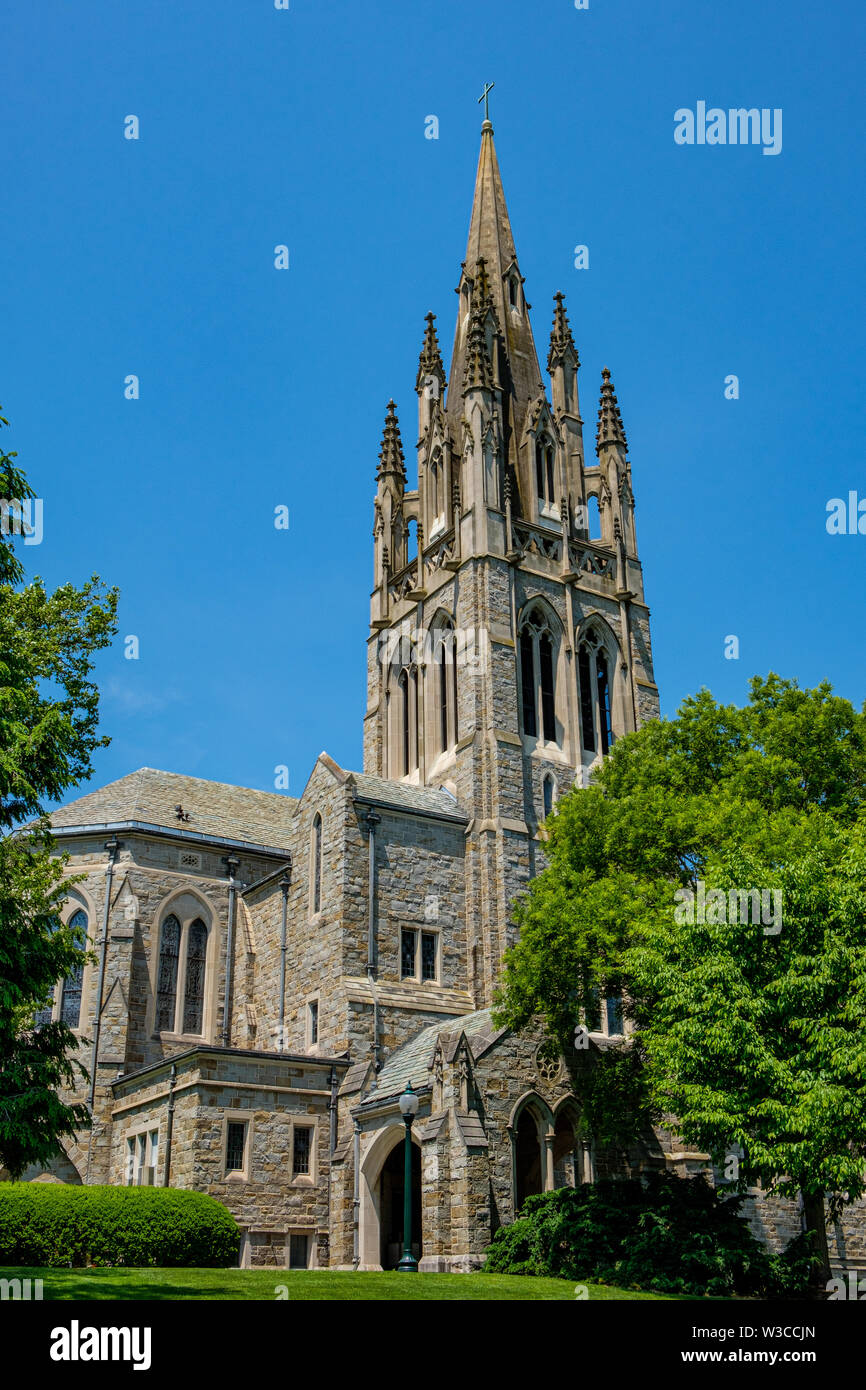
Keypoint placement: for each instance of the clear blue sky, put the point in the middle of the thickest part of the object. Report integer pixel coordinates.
(260, 387)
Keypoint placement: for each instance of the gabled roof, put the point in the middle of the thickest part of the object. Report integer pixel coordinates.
(412, 1061)
(402, 796)
(214, 808)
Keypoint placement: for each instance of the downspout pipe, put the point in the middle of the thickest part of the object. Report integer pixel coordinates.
(231, 864)
(356, 1195)
(285, 885)
(172, 1082)
(113, 846)
(372, 820)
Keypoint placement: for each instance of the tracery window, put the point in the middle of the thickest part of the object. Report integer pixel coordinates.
(181, 974)
(68, 998)
(407, 687)
(445, 682)
(537, 676)
(166, 988)
(596, 703)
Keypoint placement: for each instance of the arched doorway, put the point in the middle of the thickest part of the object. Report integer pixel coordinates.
(391, 1192)
(528, 1171)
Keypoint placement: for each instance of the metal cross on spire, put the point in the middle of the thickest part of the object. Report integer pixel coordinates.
(488, 88)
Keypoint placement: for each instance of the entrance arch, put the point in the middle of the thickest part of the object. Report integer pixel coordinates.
(381, 1188)
(531, 1129)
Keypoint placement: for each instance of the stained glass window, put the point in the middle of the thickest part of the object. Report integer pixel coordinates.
(166, 984)
(407, 954)
(193, 1001)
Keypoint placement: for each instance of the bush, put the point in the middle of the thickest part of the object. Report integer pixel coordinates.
(57, 1227)
(670, 1234)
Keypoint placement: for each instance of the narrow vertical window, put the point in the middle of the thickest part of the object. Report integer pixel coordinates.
(548, 456)
(404, 719)
(302, 1147)
(539, 470)
(317, 864)
(236, 1135)
(428, 955)
(548, 705)
(193, 1000)
(613, 1005)
(313, 1022)
(547, 794)
(527, 682)
(603, 701)
(166, 983)
(416, 755)
(587, 723)
(454, 685)
(443, 697)
(70, 997)
(407, 955)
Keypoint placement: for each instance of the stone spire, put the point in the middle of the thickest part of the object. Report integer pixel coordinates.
(610, 430)
(430, 365)
(491, 241)
(391, 460)
(561, 340)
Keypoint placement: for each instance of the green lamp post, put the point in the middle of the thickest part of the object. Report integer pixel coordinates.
(408, 1109)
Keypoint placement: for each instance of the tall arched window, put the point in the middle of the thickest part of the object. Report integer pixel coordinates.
(166, 985)
(407, 713)
(445, 686)
(193, 994)
(316, 864)
(596, 701)
(538, 677)
(436, 495)
(70, 993)
(544, 480)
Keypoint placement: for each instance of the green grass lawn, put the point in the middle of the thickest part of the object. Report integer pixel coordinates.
(301, 1285)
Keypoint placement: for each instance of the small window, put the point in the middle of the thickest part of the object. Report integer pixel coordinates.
(407, 955)
(302, 1147)
(428, 955)
(512, 293)
(313, 1022)
(299, 1251)
(236, 1135)
(613, 1005)
(547, 790)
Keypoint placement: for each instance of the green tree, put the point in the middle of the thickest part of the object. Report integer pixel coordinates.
(749, 1032)
(49, 709)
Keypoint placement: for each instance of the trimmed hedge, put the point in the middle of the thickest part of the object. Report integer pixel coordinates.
(57, 1227)
(671, 1234)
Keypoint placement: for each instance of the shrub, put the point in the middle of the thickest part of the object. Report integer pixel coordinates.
(57, 1227)
(671, 1234)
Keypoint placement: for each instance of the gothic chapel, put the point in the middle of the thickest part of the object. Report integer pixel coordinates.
(271, 972)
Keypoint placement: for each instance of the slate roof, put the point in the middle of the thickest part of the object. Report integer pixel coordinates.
(399, 794)
(412, 1061)
(214, 808)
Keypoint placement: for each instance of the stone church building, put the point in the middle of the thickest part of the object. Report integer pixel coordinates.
(271, 972)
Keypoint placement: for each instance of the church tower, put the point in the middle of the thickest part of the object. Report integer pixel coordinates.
(509, 641)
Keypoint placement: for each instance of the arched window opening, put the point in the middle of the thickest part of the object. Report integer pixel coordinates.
(527, 680)
(445, 686)
(538, 677)
(166, 986)
(196, 956)
(566, 1160)
(528, 1168)
(512, 292)
(544, 474)
(587, 722)
(316, 850)
(403, 686)
(443, 702)
(548, 792)
(603, 702)
(436, 495)
(70, 994)
(593, 512)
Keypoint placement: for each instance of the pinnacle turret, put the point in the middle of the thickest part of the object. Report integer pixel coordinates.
(478, 371)
(391, 459)
(430, 364)
(561, 340)
(610, 428)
